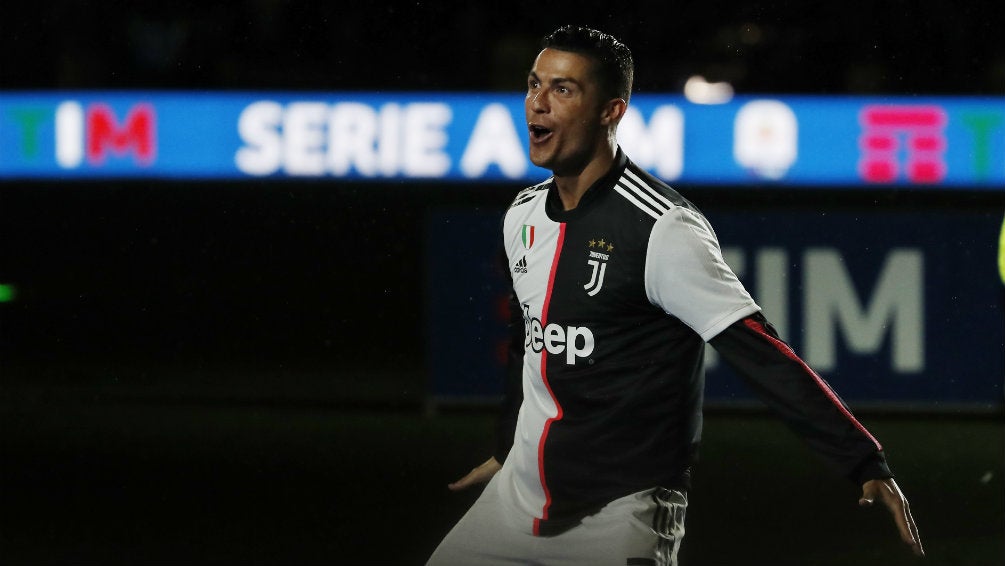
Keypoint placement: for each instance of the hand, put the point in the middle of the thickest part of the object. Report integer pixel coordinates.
(481, 474)
(890, 495)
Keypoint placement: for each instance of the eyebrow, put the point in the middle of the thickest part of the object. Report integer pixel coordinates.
(556, 80)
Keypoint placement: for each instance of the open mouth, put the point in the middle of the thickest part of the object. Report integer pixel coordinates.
(538, 133)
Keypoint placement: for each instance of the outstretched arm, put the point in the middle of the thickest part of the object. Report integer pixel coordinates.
(813, 410)
(508, 410)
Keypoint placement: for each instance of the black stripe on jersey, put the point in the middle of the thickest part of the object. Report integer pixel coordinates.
(636, 191)
(529, 193)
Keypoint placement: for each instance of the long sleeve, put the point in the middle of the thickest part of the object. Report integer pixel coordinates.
(513, 387)
(803, 400)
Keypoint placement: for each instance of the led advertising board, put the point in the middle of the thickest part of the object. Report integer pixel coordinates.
(898, 308)
(845, 142)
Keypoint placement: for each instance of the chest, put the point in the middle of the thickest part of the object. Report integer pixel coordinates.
(587, 268)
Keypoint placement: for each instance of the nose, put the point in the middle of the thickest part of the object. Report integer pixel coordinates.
(539, 100)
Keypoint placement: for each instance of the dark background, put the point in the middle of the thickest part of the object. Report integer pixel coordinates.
(235, 371)
(902, 47)
(328, 273)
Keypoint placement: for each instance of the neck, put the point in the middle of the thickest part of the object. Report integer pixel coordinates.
(572, 187)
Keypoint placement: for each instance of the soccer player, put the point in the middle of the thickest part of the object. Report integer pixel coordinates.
(618, 283)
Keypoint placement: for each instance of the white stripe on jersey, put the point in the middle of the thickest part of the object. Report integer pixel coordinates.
(658, 207)
(645, 186)
(521, 481)
(634, 201)
(643, 196)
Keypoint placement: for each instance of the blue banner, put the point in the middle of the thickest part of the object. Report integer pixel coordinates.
(845, 142)
(896, 308)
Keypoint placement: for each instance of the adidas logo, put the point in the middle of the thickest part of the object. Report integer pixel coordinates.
(521, 266)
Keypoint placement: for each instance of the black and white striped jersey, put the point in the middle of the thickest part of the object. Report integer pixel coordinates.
(612, 304)
(616, 299)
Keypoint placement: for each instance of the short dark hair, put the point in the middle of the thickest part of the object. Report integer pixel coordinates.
(613, 58)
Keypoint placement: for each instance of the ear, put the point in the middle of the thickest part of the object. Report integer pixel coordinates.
(613, 111)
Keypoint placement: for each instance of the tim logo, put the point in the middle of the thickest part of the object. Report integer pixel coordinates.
(599, 255)
(910, 135)
(96, 132)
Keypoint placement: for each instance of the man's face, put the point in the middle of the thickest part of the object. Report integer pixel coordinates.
(564, 112)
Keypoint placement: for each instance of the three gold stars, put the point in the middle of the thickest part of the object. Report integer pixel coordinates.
(602, 244)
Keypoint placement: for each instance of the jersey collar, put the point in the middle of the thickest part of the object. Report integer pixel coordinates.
(600, 187)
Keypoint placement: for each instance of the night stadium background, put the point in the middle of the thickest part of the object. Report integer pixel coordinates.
(289, 369)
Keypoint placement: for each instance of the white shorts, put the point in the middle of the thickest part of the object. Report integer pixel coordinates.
(643, 528)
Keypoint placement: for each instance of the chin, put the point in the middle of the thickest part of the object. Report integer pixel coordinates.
(543, 162)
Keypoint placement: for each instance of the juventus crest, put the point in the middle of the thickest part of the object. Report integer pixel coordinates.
(599, 255)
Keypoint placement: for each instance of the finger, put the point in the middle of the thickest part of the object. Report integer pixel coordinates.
(475, 476)
(901, 512)
(462, 483)
(868, 496)
(917, 547)
(481, 474)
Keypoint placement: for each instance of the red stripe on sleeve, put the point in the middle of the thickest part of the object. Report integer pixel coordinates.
(789, 353)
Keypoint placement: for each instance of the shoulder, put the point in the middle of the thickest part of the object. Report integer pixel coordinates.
(530, 193)
(653, 197)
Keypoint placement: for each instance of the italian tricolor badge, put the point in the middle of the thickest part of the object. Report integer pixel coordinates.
(527, 236)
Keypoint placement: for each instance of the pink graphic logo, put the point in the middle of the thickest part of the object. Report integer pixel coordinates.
(899, 134)
(137, 134)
